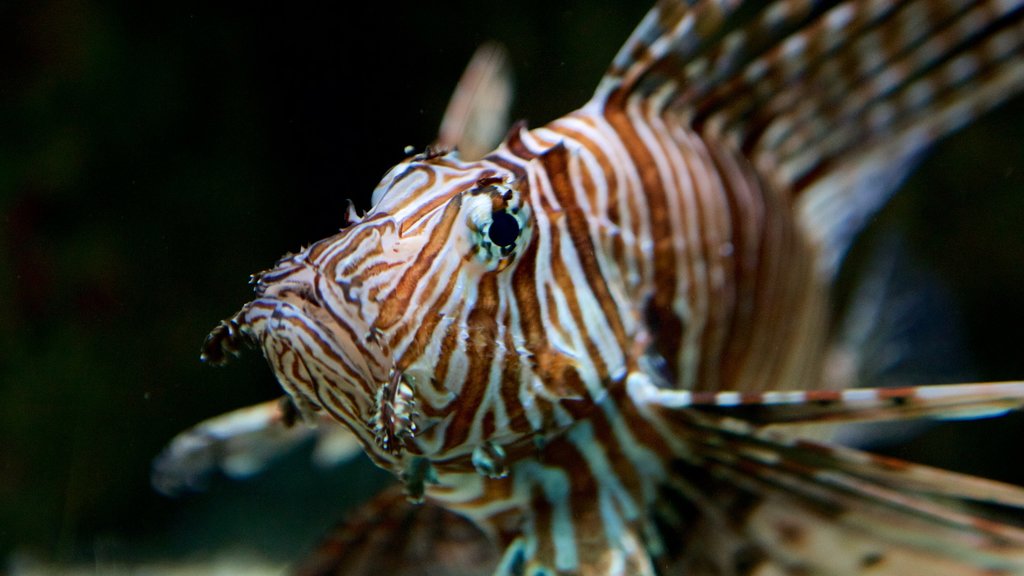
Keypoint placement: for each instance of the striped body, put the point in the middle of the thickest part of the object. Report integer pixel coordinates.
(522, 338)
(701, 267)
(654, 241)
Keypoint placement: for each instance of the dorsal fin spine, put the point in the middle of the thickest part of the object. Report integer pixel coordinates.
(830, 99)
(672, 29)
(920, 111)
(851, 98)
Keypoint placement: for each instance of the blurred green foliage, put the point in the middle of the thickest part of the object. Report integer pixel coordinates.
(153, 155)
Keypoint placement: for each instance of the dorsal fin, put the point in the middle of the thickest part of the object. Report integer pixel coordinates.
(831, 101)
(656, 53)
(477, 114)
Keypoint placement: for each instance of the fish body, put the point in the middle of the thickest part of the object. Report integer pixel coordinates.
(586, 340)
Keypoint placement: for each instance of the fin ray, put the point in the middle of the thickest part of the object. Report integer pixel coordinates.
(388, 535)
(241, 443)
(857, 404)
(833, 102)
(884, 506)
(752, 413)
(477, 115)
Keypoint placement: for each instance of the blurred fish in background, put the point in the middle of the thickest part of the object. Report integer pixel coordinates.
(153, 155)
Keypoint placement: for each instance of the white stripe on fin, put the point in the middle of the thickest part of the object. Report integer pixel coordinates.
(979, 400)
(832, 103)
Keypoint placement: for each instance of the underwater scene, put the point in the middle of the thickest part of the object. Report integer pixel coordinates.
(585, 352)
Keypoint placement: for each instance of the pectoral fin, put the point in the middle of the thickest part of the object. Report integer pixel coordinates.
(390, 536)
(243, 442)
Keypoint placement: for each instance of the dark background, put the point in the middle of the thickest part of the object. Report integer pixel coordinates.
(153, 155)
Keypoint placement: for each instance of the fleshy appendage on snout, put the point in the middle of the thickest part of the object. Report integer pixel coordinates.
(386, 325)
(323, 355)
(339, 322)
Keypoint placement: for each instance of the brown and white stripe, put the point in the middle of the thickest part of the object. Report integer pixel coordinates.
(543, 338)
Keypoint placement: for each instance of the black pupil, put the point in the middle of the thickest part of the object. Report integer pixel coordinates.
(504, 229)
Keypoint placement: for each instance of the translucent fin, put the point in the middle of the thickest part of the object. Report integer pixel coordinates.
(832, 102)
(899, 325)
(843, 124)
(477, 115)
(833, 510)
(242, 443)
(789, 525)
(389, 535)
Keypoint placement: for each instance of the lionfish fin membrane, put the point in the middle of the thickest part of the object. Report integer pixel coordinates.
(832, 102)
(243, 442)
(388, 535)
(819, 507)
(779, 522)
(626, 553)
(477, 115)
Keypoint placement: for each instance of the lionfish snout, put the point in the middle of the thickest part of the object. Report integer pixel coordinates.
(384, 325)
(323, 354)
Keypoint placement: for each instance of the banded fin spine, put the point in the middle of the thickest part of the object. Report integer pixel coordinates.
(811, 506)
(871, 499)
(841, 511)
(842, 406)
(832, 102)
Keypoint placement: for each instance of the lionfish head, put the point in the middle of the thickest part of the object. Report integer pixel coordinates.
(381, 325)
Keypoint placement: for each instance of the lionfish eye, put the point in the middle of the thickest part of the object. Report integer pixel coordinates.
(504, 229)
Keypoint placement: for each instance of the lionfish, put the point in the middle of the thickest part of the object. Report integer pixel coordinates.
(601, 347)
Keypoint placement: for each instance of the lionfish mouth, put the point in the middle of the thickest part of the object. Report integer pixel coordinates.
(383, 415)
(317, 354)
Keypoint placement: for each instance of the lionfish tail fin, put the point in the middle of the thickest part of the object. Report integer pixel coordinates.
(832, 101)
